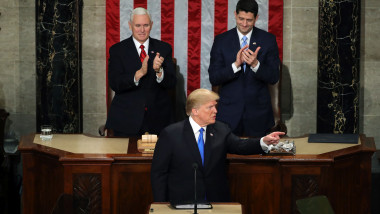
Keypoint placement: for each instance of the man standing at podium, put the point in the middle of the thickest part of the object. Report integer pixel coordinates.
(199, 141)
(140, 71)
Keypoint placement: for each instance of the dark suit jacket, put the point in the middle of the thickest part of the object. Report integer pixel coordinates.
(172, 173)
(245, 94)
(149, 101)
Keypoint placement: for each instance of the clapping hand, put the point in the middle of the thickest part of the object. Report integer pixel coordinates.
(157, 62)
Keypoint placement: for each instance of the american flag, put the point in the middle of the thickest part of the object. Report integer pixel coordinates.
(189, 26)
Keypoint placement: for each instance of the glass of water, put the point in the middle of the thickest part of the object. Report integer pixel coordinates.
(46, 132)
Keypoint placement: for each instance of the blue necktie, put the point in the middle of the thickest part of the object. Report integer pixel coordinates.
(201, 144)
(244, 43)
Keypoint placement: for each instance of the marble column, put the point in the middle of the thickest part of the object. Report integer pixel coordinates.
(338, 66)
(59, 70)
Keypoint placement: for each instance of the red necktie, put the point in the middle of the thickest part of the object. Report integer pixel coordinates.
(142, 54)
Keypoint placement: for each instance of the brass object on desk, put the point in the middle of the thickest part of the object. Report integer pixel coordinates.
(147, 143)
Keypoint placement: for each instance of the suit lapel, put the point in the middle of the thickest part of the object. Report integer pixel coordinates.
(152, 49)
(235, 41)
(208, 145)
(189, 139)
(253, 43)
(131, 50)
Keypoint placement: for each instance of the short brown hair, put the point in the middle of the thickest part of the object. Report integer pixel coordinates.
(199, 97)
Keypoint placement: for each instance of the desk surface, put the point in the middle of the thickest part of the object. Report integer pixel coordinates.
(218, 208)
(79, 143)
(83, 144)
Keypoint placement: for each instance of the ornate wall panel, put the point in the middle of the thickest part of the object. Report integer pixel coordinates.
(59, 71)
(338, 66)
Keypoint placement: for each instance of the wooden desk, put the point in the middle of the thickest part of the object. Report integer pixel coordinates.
(120, 183)
(217, 208)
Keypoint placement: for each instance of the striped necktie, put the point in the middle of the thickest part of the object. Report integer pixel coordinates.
(244, 43)
(142, 54)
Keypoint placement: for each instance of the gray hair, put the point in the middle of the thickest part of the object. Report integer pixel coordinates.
(139, 11)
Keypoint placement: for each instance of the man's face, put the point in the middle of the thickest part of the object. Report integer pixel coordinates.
(140, 26)
(245, 21)
(206, 113)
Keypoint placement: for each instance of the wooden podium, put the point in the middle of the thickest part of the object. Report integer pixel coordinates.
(217, 208)
(111, 175)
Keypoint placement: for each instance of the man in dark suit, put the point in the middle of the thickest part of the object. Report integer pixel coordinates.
(140, 72)
(176, 151)
(243, 61)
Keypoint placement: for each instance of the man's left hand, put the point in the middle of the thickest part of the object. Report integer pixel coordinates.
(157, 62)
(250, 57)
(273, 138)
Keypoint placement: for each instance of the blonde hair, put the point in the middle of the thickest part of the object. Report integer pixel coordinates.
(199, 97)
(139, 11)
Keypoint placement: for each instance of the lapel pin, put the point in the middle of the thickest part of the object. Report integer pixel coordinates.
(254, 43)
(211, 134)
(152, 52)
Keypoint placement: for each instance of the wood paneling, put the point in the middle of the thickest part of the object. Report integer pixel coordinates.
(262, 184)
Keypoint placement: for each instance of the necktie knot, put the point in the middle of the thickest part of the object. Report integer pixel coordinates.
(143, 53)
(201, 131)
(245, 39)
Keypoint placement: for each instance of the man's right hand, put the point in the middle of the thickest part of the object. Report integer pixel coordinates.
(143, 70)
(239, 56)
(272, 138)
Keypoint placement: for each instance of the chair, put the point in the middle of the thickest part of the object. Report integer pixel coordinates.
(314, 205)
(275, 94)
(3, 117)
(4, 165)
(103, 131)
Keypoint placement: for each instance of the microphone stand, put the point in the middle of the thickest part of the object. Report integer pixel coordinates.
(195, 166)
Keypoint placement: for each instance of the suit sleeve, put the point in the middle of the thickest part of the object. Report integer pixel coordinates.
(169, 80)
(269, 70)
(239, 146)
(160, 168)
(221, 59)
(120, 79)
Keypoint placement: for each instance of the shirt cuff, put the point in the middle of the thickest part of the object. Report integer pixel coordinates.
(159, 79)
(235, 68)
(254, 69)
(136, 81)
(264, 146)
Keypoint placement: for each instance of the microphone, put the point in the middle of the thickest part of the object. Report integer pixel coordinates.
(195, 166)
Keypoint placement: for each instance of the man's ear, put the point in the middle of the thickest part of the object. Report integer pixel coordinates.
(256, 18)
(130, 25)
(194, 111)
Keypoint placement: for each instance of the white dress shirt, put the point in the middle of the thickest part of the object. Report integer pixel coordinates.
(196, 128)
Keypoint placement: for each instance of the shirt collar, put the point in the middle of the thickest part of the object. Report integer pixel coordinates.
(195, 125)
(241, 35)
(137, 44)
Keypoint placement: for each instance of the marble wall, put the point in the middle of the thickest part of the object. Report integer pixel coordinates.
(338, 67)
(299, 88)
(59, 67)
